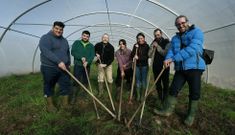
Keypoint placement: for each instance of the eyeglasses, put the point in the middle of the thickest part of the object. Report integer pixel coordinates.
(179, 24)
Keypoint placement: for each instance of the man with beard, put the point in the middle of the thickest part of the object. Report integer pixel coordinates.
(83, 52)
(105, 53)
(161, 46)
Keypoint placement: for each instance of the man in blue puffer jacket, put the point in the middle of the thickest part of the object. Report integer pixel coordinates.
(186, 50)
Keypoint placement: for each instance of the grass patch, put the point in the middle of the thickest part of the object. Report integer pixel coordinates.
(23, 112)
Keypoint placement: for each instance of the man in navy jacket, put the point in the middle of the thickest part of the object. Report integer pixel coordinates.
(55, 58)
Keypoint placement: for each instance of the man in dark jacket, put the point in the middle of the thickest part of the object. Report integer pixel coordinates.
(55, 58)
(105, 52)
(141, 58)
(161, 46)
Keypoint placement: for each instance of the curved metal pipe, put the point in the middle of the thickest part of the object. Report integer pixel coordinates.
(118, 13)
(8, 27)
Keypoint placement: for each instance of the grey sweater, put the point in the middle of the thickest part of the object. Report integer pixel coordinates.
(54, 50)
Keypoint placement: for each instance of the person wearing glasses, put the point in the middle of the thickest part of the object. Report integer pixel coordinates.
(55, 59)
(161, 46)
(185, 52)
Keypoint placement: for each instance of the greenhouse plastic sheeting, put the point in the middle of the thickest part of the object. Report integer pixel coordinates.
(20, 29)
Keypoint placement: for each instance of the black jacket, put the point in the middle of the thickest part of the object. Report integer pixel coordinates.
(160, 54)
(142, 53)
(106, 52)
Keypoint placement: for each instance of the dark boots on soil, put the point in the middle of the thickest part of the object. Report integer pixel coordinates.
(50, 106)
(138, 94)
(73, 96)
(192, 109)
(117, 94)
(168, 108)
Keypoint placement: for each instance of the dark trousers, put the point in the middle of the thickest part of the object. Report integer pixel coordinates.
(52, 75)
(80, 74)
(128, 76)
(192, 77)
(162, 84)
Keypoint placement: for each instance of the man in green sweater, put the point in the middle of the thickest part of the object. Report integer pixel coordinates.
(83, 52)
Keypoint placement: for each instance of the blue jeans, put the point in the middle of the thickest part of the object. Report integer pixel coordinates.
(52, 75)
(80, 74)
(192, 77)
(141, 76)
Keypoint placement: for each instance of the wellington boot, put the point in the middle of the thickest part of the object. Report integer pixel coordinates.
(168, 108)
(192, 108)
(50, 106)
(142, 94)
(101, 89)
(73, 95)
(65, 103)
(138, 94)
(117, 95)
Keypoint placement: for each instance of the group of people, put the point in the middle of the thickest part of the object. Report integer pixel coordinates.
(184, 50)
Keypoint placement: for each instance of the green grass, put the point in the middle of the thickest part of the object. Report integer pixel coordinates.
(22, 111)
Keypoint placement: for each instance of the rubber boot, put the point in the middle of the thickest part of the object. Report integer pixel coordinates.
(192, 109)
(65, 103)
(101, 89)
(168, 107)
(73, 96)
(117, 95)
(50, 106)
(142, 94)
(138, 94)
(83, 93)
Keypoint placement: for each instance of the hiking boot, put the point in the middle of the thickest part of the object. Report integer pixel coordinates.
(50, 106)
(168, 107)
(192, 108)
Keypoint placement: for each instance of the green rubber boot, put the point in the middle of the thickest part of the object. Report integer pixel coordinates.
(50, 106)
(101, 89)
(73, 96)
(138, 94)
(65, 102)
(192, 109)
(168, 107)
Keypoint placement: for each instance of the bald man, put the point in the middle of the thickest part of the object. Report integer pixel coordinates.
(105, 52)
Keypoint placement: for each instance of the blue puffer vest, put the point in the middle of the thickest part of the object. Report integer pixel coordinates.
(189, 57)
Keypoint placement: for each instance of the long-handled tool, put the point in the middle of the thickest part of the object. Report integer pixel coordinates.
(146, 91)
(106, 83)
(150, 91)
(89, 83)
(120, 101)
(91, 94)
(133, 79)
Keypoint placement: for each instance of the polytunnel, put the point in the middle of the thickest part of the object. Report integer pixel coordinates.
(23, 22)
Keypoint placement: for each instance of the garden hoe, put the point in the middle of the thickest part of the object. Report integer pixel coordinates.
(133, 79)
(91, 94)
(120, 101)
(89, 83)
(150, 91)
(106, 83)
